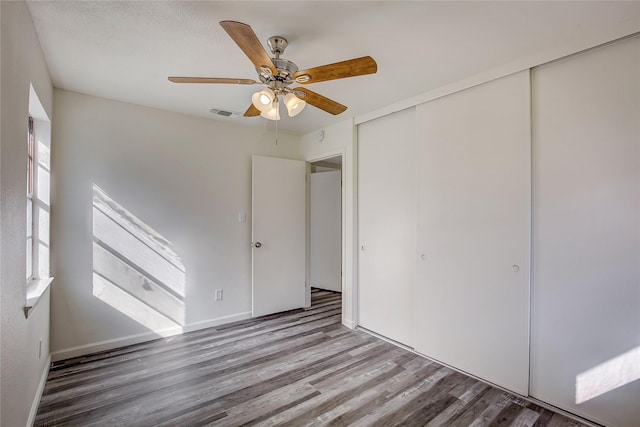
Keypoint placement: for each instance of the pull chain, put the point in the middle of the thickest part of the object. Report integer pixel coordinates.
(278, 113)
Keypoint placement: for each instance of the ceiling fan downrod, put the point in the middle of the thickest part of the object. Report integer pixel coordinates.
(277, 44)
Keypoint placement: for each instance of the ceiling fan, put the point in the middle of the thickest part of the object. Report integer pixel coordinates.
(279, 73)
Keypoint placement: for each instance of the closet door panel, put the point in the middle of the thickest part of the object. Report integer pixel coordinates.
(474, 230)
(387, 211)
(586, 234)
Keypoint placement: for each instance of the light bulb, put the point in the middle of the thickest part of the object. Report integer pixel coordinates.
(264, 99)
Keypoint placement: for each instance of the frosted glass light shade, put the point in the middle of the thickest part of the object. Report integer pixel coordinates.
(263, 99)
(294, 104)
(273, 113)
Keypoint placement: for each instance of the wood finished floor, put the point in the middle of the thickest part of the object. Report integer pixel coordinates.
(296, 368)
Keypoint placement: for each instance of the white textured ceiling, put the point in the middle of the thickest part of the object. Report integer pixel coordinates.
(126, 50)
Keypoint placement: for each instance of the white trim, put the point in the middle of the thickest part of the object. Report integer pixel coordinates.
(595, 38)
(530, 278)
(204, 324)
(307, 236)
(562, 412)
(355, 230)
(146, 336)
(35, 289)
(38, 396)
(349, 323)
(327, 155)
(390, 341)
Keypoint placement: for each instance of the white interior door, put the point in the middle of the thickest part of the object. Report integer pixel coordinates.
(279, 235)
(472, 299)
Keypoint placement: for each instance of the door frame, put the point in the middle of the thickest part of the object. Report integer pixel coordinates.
(343, 215)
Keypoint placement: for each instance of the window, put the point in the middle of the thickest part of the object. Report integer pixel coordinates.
(38, 202)
(30, 204)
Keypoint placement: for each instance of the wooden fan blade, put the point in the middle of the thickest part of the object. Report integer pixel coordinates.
(320, 101)
(252, 111)
(247, 40)
(339, 70)
(212, 80)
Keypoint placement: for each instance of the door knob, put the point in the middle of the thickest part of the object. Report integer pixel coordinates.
(256, 245)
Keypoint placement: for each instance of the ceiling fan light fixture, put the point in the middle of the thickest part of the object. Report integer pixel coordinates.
(273, 113)
(278, 74)
(294, 104)
(263, 99)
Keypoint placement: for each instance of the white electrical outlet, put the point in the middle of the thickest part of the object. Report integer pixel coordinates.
(218, 294)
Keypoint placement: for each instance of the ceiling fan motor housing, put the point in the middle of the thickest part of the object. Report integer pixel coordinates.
(285, 68)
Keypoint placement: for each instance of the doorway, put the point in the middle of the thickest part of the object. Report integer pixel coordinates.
(325, 225)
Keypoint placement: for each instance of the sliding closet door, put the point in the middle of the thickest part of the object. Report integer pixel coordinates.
(586, 256)
(387, 208)
(472, 299)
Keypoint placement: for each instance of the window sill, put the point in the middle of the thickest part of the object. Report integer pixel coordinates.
(35, 289)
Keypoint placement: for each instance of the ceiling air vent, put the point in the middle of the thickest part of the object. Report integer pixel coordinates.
(225, 113)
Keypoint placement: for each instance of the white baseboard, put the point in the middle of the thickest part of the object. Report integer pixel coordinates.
(146, 336)
(349, 323)
(203, 324)
(36, 399)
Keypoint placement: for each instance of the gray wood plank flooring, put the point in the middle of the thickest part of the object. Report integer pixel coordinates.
(296, 368)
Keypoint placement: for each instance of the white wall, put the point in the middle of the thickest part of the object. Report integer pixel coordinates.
(184, 181)
(339, 139)
(22, 369)
(326, 230)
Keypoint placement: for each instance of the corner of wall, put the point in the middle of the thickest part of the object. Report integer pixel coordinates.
(38, 396)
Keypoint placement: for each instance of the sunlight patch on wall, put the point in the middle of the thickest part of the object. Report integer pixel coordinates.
(609, 375)
(135, 269)
(133, 307)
